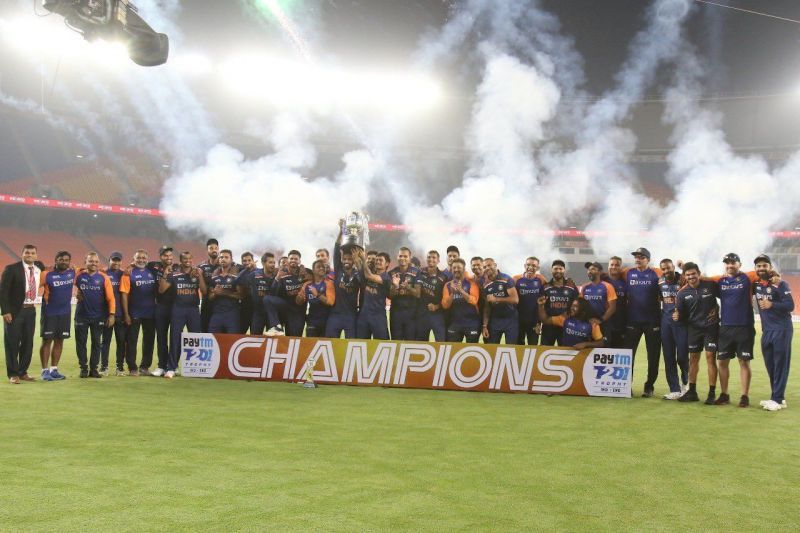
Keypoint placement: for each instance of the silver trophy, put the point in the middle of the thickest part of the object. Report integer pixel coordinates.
(355, 230)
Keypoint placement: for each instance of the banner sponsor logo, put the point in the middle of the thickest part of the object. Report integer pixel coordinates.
(429, 365)
(200, 355)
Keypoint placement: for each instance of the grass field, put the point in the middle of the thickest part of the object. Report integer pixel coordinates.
(138, 454)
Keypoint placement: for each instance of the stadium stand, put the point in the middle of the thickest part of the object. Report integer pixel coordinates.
(48, 243)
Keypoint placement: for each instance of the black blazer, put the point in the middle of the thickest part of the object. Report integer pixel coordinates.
(12, 288)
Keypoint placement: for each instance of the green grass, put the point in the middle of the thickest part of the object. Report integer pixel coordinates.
(150, 454)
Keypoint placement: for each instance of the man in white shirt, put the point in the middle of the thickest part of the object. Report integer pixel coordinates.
(19, 286)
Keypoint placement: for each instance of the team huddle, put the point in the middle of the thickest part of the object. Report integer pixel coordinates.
(681, 314)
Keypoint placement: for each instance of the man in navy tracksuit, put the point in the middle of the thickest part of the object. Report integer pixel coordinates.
(430, 316)
(187, 284)
(371, 322)
(119, 330)
(775, 305)
(260, 283)
(281, 304)
(163, 307)
(224, 292)
(347, 282)
(500, 318)
(674, 336)
(403, 293)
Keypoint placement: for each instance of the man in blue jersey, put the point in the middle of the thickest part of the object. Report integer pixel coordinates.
(247, 305)
(163, 316)
(225, 294)
(775, 305)
(601, 297)
(95, 311)
(737, 326)
(500, 318)
(644, 314)
(320, 295)
(560, 294)
(208, 267)
(578, 329)
(188, 284)
(430, 315)
(138, 295)
(618, 322)
(372, 315)
(530, 286)
(282, 306)
(696, 306)
(259, 283)
(674, 336)
(460, 295)
(347, 283)
(403, 293)
(119, 330)
(57, 287)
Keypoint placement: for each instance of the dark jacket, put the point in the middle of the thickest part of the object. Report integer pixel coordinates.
(12, 288)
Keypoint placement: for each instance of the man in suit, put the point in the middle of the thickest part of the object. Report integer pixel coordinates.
(18, 289)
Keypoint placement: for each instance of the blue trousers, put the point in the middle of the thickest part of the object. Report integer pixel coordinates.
(527, 332)
(119, 330)
(428, 322)
(340, 323)
(372, 325)
(776, 345)
(675, 344)
(278, 310)
(182, 317)
(163, 317)
(258, 323)
(402, 324)
(224, 321)
(86, 329)
(505, 326)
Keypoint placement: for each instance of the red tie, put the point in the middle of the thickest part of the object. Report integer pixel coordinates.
(31, 285)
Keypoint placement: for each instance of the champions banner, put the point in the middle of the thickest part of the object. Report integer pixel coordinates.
(408, 364)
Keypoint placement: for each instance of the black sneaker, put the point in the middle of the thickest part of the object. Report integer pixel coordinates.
(689, 396)
(723, 399)
(711, 397)
(94, 374)
(744, 401)
(84, 372)
(648, 393)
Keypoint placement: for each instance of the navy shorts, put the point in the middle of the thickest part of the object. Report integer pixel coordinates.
(736, 341)
(706, 338)
(55, 327)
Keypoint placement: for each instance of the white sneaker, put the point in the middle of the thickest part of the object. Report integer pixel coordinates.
(277, 331)
(763, 403)
(783, 405)
(684, 388)
(772, 406)
(673, 395)
(170, 374)
(158, 372)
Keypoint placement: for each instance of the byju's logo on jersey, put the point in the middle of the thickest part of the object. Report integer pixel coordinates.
(608, 372)
(199, 355)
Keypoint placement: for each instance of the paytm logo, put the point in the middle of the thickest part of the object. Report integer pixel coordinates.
(608, 372)
(200, 355)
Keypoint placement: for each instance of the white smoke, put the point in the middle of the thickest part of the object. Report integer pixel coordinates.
(271, 202)
(511, 197)
(720, 196)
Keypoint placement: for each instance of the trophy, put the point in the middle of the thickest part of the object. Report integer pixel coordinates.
(308, 373)
(355, 230)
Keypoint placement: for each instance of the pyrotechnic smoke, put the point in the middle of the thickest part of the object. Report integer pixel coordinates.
(507, 186)
(271, 201)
